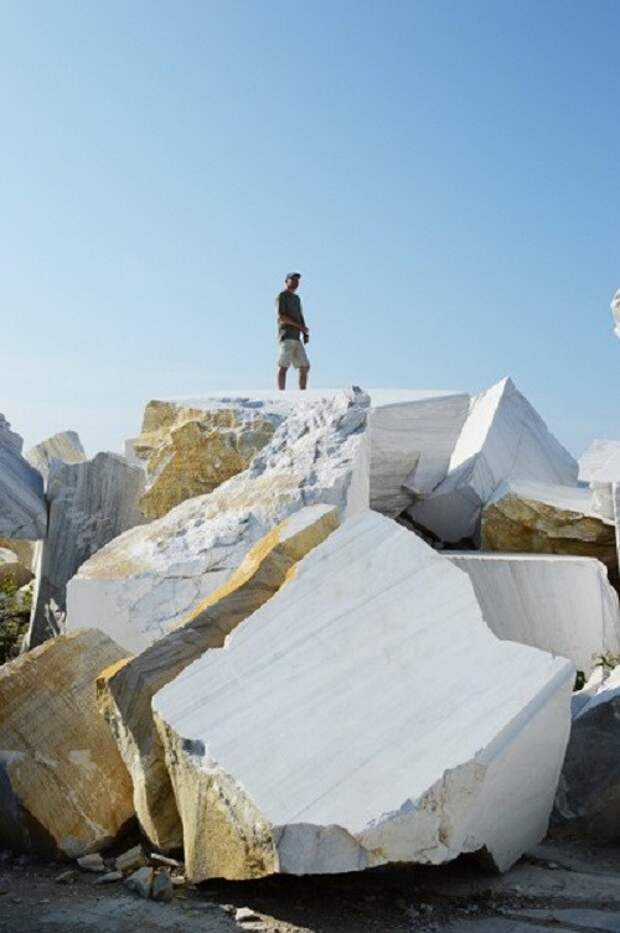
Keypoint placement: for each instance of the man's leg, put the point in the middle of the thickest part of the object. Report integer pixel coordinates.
(303, 376)
(282, 377)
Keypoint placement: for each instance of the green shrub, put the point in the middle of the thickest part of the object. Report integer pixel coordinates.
(14, 613)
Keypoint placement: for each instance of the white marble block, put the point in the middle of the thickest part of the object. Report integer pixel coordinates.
(561, 604)
(410, 447)
(502, 439)
(366, 714)
(138, 586)
(23, 513)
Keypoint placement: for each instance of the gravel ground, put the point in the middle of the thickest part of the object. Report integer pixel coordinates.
(561, 887)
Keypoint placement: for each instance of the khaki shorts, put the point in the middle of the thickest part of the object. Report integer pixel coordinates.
(293, 353)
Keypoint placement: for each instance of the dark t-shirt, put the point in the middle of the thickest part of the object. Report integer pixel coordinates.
(288, 303)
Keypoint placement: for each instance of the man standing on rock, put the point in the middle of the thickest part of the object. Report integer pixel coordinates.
(291, 330)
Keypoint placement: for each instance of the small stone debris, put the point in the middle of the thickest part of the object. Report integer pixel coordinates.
(110, 877)
(178, 880)
(246, 915)
(162, 889)
(141, 881)
(66, 877)
(92, 862)
(130, 860)
(165, 860)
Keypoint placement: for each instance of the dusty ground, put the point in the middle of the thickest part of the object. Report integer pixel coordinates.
(563, 888)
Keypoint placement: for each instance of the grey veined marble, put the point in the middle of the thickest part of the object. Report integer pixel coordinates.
(90, 503)
(65, 447)
(22, 507)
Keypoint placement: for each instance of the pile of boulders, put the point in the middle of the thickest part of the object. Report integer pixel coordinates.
(310, 634)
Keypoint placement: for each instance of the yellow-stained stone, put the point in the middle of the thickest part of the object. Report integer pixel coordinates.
(516, 523)
(125, 690)
(63, 785)
(189, 452)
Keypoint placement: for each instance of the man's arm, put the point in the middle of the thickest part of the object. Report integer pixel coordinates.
(287, 320)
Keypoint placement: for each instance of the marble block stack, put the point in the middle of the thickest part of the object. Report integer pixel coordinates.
(340, 628)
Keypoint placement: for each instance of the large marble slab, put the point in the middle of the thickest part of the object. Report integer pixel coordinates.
(503, 439)
(64, 789)
(564, 605)
(366, 714)
(125, 690)
(142, 583)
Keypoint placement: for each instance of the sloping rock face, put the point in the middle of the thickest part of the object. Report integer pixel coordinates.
(411, 443)
(12, 568)
(23, 513)
(542, 519)
(90, 503)
(189, 452)
(588, 797)
(321, 737)
(141, 584)
(63, 785)
(64, 446)
(125, 691)
(503, 438)
(564, 605)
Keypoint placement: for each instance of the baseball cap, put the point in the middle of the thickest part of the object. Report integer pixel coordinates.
(292, 275)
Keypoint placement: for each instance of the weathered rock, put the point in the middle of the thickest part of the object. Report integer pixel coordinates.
(23, 513)
(412, 433)
(502, 439)
(588, 797)
(189, 451)
(91, 862)
(24, 550)
(321, 738)
(560, 604)
(125, 690)
(11, 568)
(64, 447)
(63, 785)
(131, 859)
(162, 889)
(141, 881)
(110, 877)
(543, 519)
(145, 581)
(90, 503)
(411, 443)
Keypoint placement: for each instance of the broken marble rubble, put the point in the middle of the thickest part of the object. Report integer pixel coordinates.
(344, 748)
(143, 583)
(126, 689)
(90, 503)
(503, 438)
(561, 604)
(23, 513)
(65, 788)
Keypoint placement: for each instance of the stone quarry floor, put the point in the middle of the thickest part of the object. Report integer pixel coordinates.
(561, 887)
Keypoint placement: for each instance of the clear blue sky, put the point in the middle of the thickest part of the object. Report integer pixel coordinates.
(444, 174)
